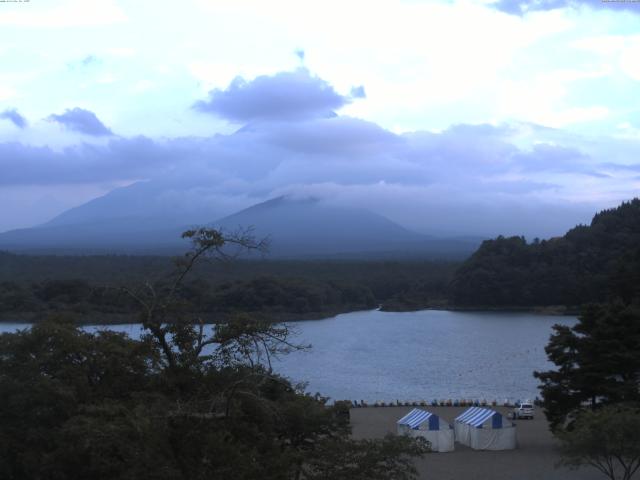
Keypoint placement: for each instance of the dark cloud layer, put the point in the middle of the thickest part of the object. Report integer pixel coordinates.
(520, 7)
(341, 150)
(14, 117)
(284, 96)
(469, 178)
(83, 121)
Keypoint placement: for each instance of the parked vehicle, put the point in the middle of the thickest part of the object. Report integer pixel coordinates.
(523, 410)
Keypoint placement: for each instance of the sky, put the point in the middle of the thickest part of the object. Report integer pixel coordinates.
(450, 117)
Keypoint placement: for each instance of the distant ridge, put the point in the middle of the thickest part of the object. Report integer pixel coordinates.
(296, 227)
(309, 227)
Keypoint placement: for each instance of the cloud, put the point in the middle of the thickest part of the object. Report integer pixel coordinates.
(83, 121)
(469, 178)
(466, 179)
(66, 14)
(14, 117)
(284, 96)
(358, 92)
(521, 7)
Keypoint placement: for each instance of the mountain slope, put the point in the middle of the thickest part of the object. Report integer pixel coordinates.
(296, 228)
(133, 235)
(312, 228)
(588, 264)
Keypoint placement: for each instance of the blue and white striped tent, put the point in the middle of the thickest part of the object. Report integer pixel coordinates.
(420, 423)
(484, 429)
(416, 417)
(477, 416)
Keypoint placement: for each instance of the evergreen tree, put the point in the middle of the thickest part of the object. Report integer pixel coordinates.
(598, 362)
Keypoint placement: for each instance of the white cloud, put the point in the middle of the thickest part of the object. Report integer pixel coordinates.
(143, 85)
(622, 51)
(6, 92)
(630, 58)
(71, 13)
(541, 99)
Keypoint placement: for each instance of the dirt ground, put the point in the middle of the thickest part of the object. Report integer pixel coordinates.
(534, 459)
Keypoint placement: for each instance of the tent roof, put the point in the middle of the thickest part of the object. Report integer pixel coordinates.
(415, 418)
(476, 416)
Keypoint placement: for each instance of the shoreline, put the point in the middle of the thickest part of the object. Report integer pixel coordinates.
(557, 310)
(100, 318)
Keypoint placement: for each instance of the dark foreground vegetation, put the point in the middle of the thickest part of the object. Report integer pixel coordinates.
(177, 404)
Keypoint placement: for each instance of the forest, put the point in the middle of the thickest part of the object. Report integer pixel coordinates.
(590, 263)
(94, 288)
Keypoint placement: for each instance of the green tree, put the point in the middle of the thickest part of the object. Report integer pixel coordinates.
(607, 439)
(598, 362)
(594, 263)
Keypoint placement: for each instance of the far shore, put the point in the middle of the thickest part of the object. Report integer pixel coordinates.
(101, 318)
(560, 310)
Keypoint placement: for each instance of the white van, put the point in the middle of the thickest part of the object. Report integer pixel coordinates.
(523, 410)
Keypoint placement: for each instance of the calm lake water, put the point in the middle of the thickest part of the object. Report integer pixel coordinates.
(423, 355)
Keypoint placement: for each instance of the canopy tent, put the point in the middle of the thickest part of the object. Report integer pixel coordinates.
(485, 429)
(420, 423)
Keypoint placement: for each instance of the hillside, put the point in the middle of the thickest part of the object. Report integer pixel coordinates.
(311, 228)
(306, 228)
(590, 263)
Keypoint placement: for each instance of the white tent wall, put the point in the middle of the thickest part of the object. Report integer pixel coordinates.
(462, 432)
(484, 429)
(440, 440)
(493, 438)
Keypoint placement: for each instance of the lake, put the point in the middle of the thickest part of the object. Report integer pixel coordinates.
(424, 355)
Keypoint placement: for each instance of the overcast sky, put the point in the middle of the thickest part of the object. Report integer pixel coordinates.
(447, 116)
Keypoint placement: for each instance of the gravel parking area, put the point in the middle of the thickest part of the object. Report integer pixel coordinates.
(534, 459)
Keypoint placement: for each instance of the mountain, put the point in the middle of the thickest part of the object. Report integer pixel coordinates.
(307, 228)
(312, 228)
(145, 217)
(590, 263)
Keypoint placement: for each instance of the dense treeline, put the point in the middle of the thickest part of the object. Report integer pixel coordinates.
(592, 263)
(268, 295)
(94, 287)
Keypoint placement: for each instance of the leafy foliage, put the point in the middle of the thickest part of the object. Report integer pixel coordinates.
(607, 439)
(589, 264)
(598, 362)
